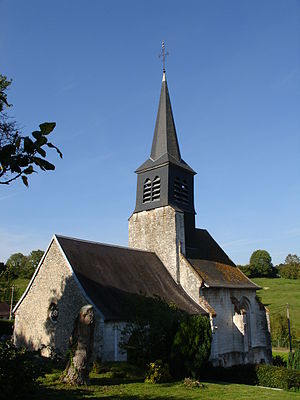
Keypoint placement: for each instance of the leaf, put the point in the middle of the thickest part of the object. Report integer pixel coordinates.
(28, 145)
(56, 148)
(47, 127)
(25, 180)
(37, 134)
(43, 164)
(29, 170)
(41, 151)
(41, 141)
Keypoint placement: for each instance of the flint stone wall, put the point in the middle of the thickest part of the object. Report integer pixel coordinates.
(161, 231)
(55, 283)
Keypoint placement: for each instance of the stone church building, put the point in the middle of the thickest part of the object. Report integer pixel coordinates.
(167, 257)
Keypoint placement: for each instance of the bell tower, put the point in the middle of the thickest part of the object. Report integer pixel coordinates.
(164, 214)
(165, 179)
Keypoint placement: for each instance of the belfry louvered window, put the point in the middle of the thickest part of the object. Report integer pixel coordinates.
(181, 191)
(151, 190)
(147, 191)
(156, 189)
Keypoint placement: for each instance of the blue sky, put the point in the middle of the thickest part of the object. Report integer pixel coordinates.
(92, 66)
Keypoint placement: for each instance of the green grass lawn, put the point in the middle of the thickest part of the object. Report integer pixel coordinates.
(105, 388)
(276, 292)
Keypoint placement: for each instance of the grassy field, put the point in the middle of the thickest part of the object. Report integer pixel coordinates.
(106, 388)
(276, 292)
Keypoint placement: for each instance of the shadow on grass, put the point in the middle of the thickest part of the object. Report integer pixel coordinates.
(47, 393)
(105, 388)
(103, 381)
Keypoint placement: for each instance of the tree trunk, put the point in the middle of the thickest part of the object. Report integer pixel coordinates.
(81, 348)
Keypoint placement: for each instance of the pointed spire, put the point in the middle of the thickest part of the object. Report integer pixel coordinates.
(165, 138)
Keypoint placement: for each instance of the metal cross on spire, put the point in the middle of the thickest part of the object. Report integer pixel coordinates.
(163, 55)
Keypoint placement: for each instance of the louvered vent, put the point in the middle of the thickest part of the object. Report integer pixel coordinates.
(147, 191)
(181, 191)
(156, 189)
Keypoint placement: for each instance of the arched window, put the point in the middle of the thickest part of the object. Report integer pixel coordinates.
(147, 191)
(181, 191)
(156, 189)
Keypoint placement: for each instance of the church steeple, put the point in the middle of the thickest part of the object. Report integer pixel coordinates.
(165, 178)
(165, 138)
(165, 146)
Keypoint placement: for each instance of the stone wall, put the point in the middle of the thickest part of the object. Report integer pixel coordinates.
(55, 283)
(160, 230)
(239, 337)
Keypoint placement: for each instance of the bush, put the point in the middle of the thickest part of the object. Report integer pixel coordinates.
(279, 361)
(158, 372)
(192, 344)
(19, 370)
(6, 327)
(150, 334)
(193, 383)
(262, 375)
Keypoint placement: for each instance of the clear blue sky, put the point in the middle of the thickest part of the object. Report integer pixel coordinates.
(92, 66)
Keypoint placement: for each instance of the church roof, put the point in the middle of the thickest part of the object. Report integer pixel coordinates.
(115, 278)
(212, 263)
(165, 147)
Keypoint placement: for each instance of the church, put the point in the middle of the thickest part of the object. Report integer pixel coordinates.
(167, 257)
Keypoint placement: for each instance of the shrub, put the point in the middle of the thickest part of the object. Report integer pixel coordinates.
(150, 333)
(158, 372)
(6, 327)
(279, 361)
(192, 344)
(19, 370)
(193, 383)
(263, 375)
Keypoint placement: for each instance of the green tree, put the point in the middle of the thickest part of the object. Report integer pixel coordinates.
(245, 269)
(261, 264)
(192, 343)
(20, 155)
(292, 259)
(291, 267)
(32, 262)
(15, 265)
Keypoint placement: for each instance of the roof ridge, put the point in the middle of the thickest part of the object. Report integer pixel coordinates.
(102, 244)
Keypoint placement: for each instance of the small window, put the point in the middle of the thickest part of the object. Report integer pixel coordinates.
(147, 191)
(53, 312)
(156, 189)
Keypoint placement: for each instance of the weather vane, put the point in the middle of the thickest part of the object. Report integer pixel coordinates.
(163, 55)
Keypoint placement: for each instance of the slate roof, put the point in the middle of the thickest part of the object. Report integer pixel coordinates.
(165, 147)
(212, 263)
(117, 278)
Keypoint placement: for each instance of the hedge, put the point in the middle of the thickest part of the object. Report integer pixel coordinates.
(6, 327)
(262, 375)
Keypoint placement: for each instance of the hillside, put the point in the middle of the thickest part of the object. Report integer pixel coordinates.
(276, 292)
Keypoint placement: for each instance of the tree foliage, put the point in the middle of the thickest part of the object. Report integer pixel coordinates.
(20, 266)
(21, 155)
(149, 335)
(261, 264)
(192, 343)
(291, 267)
